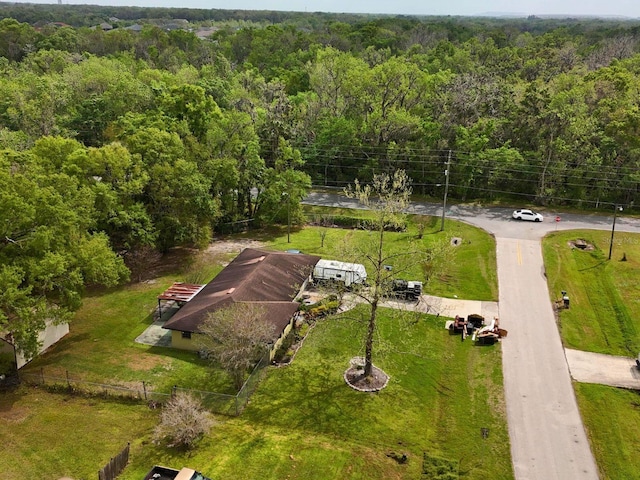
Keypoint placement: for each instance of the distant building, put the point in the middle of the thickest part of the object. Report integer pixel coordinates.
(136, 27)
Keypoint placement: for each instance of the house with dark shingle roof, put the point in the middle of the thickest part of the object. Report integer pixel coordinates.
(269, 279)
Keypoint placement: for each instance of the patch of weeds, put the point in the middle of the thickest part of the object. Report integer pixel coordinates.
(438, 468)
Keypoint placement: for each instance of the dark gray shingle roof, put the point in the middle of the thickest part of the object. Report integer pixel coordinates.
(270, 279)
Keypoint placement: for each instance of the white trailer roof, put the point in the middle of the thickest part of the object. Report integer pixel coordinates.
(351, 267)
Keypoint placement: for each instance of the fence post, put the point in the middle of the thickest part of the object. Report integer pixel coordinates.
(144, 389)
(174, 390)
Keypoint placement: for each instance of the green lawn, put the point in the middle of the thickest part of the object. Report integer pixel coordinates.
(303, 422)
(604, 313)
(612, 419)
(467, 271)
(101, 348)
(46, 436)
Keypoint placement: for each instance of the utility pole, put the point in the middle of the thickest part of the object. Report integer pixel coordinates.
(288, 218)
(616, 208)
(446, 190)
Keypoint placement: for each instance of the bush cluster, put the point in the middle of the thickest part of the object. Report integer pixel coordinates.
(437, 468)
(346, 221)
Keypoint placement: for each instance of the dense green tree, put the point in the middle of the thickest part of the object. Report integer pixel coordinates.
(59, 38)
(284, 187)
(49, 252)
(551, 104)
(190, 103)
(16, 39)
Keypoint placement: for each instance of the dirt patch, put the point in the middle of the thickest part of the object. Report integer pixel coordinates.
(355, 378)
(233, 246)
(581, 244)
(15, 414)
(146, 362)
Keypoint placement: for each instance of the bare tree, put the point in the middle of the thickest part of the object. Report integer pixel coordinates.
(323, 236)
(138, 260)
(236, 337)
(387, 197)
(182, 421)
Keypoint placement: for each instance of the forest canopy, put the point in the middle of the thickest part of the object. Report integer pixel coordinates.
(130, 130)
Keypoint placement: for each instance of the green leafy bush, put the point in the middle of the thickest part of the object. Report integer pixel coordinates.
(323, 309)
(438, 468)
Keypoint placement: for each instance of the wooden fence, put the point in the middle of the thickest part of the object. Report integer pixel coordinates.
(115, 466)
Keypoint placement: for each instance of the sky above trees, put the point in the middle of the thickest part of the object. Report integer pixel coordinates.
(625, 8)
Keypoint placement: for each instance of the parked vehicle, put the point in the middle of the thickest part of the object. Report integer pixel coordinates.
(407, 289)
(339, 272)
(526, 214)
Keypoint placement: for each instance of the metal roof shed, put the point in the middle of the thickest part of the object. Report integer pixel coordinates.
(179, 293)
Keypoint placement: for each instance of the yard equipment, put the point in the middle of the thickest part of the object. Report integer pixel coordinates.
(489, 334)
(465, 326)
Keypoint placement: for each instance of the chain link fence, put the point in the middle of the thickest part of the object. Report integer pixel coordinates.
(142, 391)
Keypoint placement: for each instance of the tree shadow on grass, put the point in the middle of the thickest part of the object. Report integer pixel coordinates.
(67, 345)
(315, 399)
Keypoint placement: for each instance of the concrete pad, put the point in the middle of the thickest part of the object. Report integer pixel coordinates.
(450, 307)
(589, 367)
(155, 335)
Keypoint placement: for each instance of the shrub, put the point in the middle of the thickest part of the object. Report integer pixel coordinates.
(345, 221)
(323, 309)
(183, 421)
(437, 468)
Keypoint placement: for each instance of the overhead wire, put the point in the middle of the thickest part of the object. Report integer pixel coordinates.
(430, 159)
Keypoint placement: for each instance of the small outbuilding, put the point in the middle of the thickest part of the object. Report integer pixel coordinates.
(47, 337)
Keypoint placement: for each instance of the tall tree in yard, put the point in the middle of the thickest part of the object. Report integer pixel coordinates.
(387, 196)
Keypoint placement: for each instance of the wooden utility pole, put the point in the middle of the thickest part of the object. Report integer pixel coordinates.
(446, 190)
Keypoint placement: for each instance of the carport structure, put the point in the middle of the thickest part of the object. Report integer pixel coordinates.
(180, 293)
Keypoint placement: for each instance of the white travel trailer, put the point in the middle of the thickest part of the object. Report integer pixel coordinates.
(347, 273)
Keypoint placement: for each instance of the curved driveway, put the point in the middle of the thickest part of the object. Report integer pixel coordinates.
(548, 440)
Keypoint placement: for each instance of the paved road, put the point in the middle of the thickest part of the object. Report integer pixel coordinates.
(548, 440)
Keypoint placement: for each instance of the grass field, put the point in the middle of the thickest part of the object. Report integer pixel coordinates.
(304, 422)
(100, 346)
(47, 436)
(612, 420)
(604, 313)
(468, 270)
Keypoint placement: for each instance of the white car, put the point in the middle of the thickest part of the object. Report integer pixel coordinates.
(525, 214)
